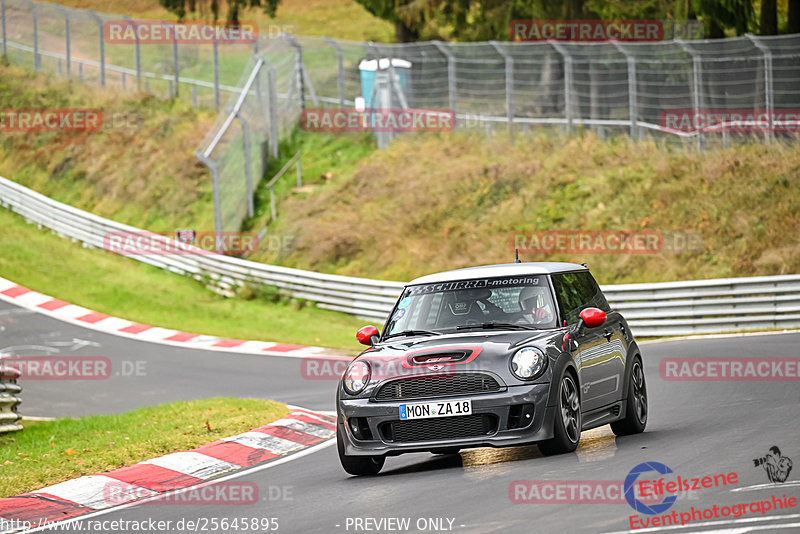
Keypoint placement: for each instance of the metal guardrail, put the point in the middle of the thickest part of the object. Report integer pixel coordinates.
(9, 400)
(658, 309)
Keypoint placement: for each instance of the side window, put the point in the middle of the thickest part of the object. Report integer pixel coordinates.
(576, 291)
(598, 300)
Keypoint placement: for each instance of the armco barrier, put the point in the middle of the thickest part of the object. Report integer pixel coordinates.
(9, 400)
(659, 309)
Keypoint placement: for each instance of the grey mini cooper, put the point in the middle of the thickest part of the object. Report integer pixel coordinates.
(496, 356)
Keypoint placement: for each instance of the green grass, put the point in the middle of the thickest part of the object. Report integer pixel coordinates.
(326, 158)
(139, 169)
(49, 452)
(436, 202)
(340, 19)
(125, 288)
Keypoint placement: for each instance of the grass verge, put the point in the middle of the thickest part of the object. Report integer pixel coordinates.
(435, 202)
(49, 452)
(125, 288)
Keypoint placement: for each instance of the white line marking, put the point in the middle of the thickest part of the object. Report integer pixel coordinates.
(193, 464)
(741, 520)
(71, 312)
(243, 472)
(717, 336)
(743, 530)
(93, 491)
(770, 486)
(308, 428)
(258, 440)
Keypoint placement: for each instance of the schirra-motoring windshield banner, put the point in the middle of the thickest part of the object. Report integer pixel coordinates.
(480, 283)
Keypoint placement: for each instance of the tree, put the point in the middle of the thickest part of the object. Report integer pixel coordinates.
(408, 16)
(794, 17)
(769, 17)
(203, 7)
(719, 15)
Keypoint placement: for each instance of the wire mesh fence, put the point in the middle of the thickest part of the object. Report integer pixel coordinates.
(700, 93)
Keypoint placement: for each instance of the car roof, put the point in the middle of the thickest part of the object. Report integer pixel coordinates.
(505, 269)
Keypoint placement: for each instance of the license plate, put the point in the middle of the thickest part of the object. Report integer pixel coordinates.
(427, 410)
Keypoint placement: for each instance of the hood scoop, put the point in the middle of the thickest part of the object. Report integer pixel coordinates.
(438, 358)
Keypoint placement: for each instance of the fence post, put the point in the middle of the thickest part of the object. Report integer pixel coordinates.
(768, 89)
(175, 66)
(66, 37)
(138, 51)
(509, 63)
(340, 70)
(272, 207)
(568, 111)
(3, 19)
(697, 86)
(633, 111)
(248, 169)
(299, 173)
(102, 48)
(451, 73)
(216, 72)
(302, 76)
(272, 111)
(35, 15)
(212, 166)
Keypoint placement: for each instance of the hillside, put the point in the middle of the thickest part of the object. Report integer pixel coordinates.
(430, 203)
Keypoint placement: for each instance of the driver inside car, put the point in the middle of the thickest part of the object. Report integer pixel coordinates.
(535, 305)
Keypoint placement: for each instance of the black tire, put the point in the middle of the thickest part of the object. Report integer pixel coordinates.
(636, 404)
(567, 422)
(357, 465)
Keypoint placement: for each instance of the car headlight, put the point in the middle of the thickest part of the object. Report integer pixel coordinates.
(356, 377)
(528, 363)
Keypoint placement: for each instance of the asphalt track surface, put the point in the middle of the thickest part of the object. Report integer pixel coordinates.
(696, 428)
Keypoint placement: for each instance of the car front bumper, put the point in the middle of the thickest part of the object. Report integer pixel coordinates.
(495, 405)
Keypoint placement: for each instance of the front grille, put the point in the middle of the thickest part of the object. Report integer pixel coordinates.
(444, 428)
(437, 386)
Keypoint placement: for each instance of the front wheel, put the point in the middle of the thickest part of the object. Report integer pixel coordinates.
(357, 465)
(636, 404)
(567, 423)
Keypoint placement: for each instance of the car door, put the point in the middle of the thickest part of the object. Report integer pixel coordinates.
(600, 354)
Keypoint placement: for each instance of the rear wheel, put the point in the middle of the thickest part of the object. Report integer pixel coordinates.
(636, 405)
(567, 423)
(356, 465)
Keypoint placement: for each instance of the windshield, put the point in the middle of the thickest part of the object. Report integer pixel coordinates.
(446, 306)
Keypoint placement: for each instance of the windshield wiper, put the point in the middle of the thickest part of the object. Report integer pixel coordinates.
(495, 325)
(413, 333)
